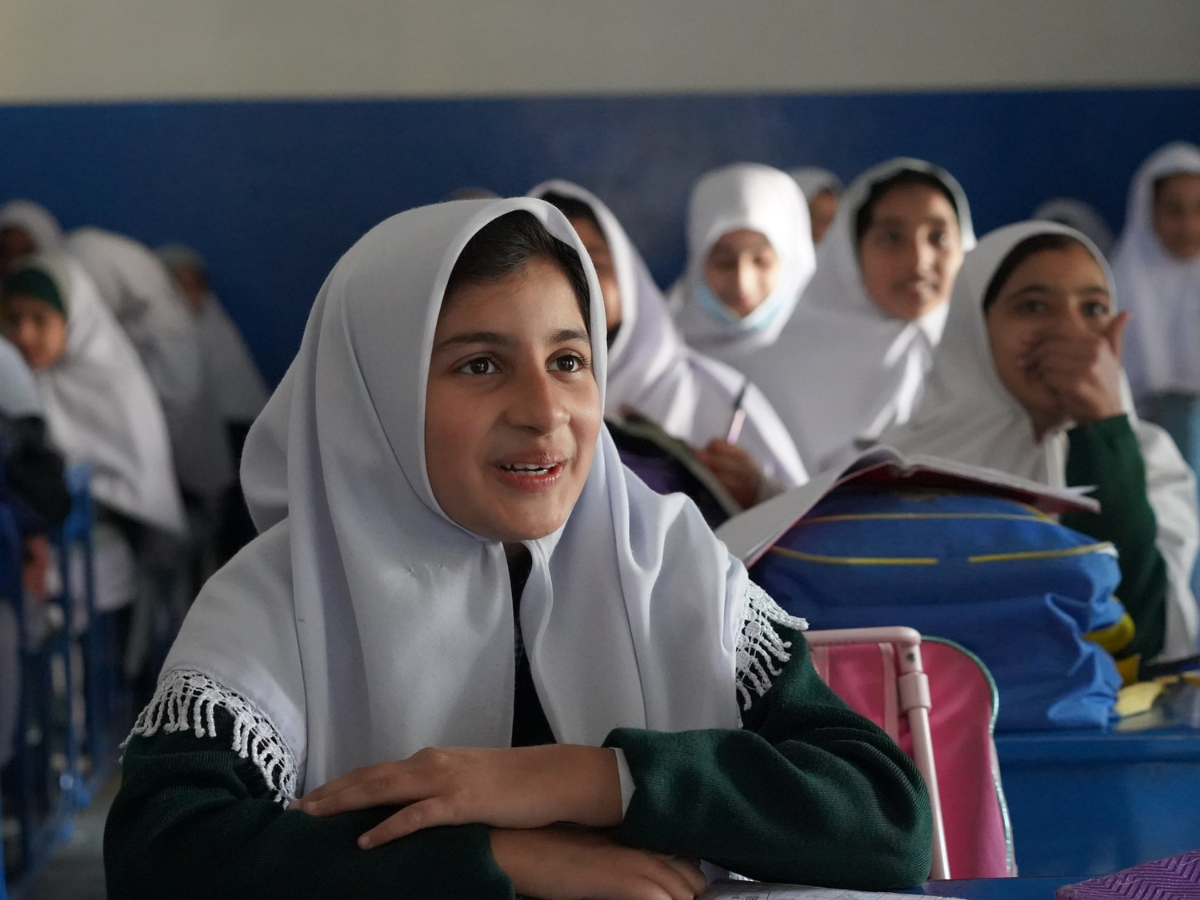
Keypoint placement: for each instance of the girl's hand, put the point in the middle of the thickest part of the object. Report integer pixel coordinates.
(1084, 371)
(574, 863)
(520, 787)
(734, 468)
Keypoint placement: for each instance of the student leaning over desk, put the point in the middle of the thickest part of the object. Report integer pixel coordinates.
(463, 563)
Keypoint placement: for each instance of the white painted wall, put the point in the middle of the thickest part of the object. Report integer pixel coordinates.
(85, 50)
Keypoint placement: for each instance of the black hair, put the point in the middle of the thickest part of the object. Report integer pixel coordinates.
(880, 189)
(1018, 254)
(506, 245)
(574, 208)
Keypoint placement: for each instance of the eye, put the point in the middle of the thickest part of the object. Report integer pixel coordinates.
(480, 365)
(938, 238)
(1095, 309)
(1030, 307)
(569, 362)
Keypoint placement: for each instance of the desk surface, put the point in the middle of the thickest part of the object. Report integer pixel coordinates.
(1000, 888)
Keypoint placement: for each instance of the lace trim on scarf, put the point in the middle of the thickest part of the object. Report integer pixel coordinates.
(760, 646)
(188, 700)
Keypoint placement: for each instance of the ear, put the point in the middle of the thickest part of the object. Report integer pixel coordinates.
(1115, 333)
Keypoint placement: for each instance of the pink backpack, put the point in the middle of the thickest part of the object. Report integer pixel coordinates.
(938, 702)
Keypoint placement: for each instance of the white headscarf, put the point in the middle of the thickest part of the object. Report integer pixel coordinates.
(101, 409)
(813, 180)
(1162, 292)
(33, 219)
(1081, 216)
(689, 395)
(230, 373)
(968, 415)
(755, 198)
(367, 625)
(843, 369)
(18, 390)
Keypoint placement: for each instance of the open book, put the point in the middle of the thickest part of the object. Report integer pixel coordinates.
(750, 534)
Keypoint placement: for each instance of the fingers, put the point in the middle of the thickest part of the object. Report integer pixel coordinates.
(381, 785)
(691, 872)
(673, 879)
(426, 814)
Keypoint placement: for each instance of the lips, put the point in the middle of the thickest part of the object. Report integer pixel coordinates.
(530, 472)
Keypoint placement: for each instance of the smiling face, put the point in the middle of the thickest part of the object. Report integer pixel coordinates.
(512, 407)
(1177, 215)
(35, 328)
(911, 251)
(1052, 293)
(742, 269)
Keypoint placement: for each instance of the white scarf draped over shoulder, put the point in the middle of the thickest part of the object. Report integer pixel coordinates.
(690, 395)
(365, 624)
(101, 409)
(37, 222)
(968, 415)
(843, 370)
(1161, 291)
(751, 197)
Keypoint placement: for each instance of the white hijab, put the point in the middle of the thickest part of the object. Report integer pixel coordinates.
(18, 391)
(101, 409)
(230, 372)
(813, 180)
(843, 369)
(366, 625)
(1162, 292)
(33, 219)
(689, 395)
(1083, 217)
(755, 198)
(968, 415)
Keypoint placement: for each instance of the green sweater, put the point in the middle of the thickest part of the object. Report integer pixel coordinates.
(1106, 454)
(807, 792)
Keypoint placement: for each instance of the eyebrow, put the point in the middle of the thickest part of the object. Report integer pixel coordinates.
(499, 339)
(897, 220)
(1047, 289)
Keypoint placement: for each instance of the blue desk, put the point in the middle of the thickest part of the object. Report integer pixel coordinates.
(1093, 803)
(999, 888)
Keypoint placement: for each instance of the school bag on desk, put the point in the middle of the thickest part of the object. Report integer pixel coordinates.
(956, 552)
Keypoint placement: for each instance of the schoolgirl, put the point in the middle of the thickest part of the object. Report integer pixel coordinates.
(688, 394)
(1028, 380)
(468, 623)
(823, 190)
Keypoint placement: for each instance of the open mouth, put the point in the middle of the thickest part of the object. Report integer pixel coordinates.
(532, 476)
(520, 469)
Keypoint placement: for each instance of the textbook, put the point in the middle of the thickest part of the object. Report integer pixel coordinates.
(754, 890)
(750, 534)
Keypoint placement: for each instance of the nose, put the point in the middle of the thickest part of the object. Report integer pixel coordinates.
(535, 404)
(749, 284)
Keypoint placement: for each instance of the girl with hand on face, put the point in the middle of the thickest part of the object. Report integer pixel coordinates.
(687, 394)
(1157, 267)
(474, 657)
(100, 408)
(853, 357)
(1028, 380)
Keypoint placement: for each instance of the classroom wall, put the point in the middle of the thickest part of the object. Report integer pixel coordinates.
(632, 99)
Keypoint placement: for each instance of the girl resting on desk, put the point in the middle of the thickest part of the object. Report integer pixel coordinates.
(1028, 380)
(476, 657)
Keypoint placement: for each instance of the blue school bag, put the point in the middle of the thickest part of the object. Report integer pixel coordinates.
(1006, 581)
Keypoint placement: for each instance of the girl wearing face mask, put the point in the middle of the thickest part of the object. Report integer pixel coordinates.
(1028, 380)
(689, 395)
(100, 408)
(474, 656)
(853, 357)
(1157, 267)
(750, 255)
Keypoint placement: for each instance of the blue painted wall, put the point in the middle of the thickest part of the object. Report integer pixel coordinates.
(274, 192)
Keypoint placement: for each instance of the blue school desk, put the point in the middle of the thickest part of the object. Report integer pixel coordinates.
(999, 888)
(1092, 803)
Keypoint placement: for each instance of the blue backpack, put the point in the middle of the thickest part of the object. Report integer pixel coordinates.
(1007, 582)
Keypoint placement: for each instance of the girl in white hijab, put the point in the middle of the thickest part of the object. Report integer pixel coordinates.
(26, 227)
(1157, 267)
(750, 254)
(822, 189)
(464, 563)
(1083, 217)
(100, 409)
(1028, 380)
(853, 357)
(689, 395)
